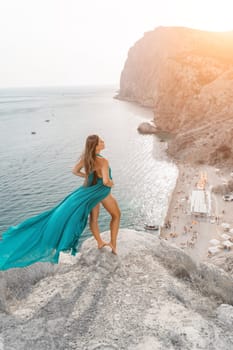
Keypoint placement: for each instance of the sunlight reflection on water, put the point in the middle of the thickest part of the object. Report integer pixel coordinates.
(35, 169)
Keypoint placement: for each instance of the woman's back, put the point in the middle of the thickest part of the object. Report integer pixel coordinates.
(98, 173)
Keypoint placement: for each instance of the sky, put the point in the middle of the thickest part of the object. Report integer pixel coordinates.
(86, 42)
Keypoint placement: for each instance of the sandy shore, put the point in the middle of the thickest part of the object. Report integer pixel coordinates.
(193, 233)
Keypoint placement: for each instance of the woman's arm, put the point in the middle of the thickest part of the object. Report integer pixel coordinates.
(76, 169)
(105, 173)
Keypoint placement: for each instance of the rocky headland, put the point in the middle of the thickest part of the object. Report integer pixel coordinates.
(186, 76)
(151, 296)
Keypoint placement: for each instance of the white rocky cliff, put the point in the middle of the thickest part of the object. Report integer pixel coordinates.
(150, 296)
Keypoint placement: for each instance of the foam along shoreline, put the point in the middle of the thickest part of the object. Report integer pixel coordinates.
(195, 232)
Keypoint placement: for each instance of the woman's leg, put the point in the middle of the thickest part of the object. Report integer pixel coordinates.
(94, 227)
(110, 204)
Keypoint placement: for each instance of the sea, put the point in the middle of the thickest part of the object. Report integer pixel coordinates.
(42, 135)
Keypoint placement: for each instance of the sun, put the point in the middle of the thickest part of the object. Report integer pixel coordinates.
(208, 14)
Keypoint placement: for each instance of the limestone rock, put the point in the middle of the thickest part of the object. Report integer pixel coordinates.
(225, 314)
(150, 296)
(147, 128)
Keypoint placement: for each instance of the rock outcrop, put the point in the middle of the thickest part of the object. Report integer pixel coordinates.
(146, 128)
(150, 296)
(186, 76)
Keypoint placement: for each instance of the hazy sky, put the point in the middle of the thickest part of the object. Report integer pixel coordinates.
(74, 42)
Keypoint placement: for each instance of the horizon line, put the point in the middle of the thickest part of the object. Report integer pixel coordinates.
(58, 86)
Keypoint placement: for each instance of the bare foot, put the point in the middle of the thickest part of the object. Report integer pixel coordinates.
(113, 248)
(102, 244)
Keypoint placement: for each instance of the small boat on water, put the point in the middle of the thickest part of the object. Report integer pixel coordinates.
(151, 227)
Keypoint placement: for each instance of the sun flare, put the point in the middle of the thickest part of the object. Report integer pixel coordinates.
(208, 15)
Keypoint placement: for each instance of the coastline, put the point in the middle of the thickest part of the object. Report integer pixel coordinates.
(171, 196)
(193, 233)
(202, 237)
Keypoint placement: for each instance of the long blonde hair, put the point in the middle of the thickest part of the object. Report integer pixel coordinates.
(89, 154)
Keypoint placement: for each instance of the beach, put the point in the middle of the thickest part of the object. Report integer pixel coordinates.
(195, 233)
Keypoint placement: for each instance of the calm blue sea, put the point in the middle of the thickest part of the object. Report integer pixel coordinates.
(35, 169)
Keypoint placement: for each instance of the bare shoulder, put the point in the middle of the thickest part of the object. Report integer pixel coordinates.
(102, 161)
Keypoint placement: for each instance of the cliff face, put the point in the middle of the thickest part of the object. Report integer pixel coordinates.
(150, 296)
(186, 76)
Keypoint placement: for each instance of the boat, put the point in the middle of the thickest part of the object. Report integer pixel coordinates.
(151, 227)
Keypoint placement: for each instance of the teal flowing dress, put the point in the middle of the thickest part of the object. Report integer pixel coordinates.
(44, 236)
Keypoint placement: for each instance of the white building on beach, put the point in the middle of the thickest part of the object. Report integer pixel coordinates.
(201, 202)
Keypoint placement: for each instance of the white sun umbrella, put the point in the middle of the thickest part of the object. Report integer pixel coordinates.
(214, 242)
(213, 250)
(225, 236)
(225, 225)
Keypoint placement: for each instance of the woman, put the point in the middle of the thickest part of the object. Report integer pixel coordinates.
(97, 169)
(43, 237)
